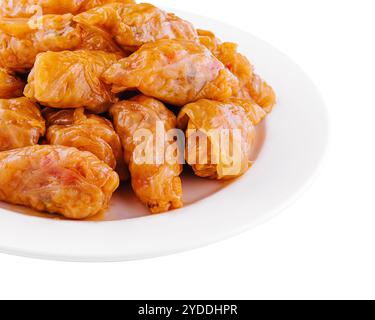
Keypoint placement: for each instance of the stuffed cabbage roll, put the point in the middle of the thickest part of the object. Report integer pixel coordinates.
(21, 40)
(135, 25)
(71, 79)
(250, 85)
(56, 179)
(174, 71)
(220, 136)
(157, 185)
(21, 123)
(86, 132)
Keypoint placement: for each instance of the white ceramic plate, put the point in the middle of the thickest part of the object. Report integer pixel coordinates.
(296, 139)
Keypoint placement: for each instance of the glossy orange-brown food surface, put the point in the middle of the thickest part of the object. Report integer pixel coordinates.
(86, 132)
(21, 40)
(138, 24)
(157, 185)
(90, 4)
(28, 8)
(21, 123)
(10, 85)
(71, 79)
(207, 119)
(56, 179)
(173, 71)
(261, 92)
(255, 113)
(93, 38)
(250, 85)
(108, 75)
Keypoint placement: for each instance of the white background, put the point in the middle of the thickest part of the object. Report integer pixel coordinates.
(322, 246)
